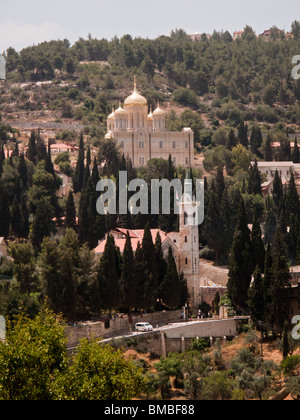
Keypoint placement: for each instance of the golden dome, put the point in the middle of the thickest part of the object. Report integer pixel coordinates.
(135, 98)
(158, 111)
(120, 110)
(111, 116)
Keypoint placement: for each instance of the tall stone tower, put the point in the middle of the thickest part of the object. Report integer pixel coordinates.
(189, 240)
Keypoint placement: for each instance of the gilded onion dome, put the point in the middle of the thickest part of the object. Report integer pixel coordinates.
(135, 98)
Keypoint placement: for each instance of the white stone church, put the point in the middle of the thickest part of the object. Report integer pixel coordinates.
(143, 136)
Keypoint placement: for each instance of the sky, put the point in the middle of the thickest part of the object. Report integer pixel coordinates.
(24, 23)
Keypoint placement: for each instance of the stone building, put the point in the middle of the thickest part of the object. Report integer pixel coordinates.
(143, 136)
(184, 244)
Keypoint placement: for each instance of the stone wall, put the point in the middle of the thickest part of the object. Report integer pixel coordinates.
(208, 294)
(119, 326)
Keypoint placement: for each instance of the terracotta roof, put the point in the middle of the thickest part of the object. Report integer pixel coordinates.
(135, 235)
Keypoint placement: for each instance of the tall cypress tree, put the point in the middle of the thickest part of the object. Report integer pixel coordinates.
(292, 199)
(256, 297)
(108, 279)
(256, 140)
(277, 189)
(22, 169)
(254, 180)
(240, 270)
(296, 153)
(281, 279)
(128, 277)
(268, 152)
(258, 248)
(31, 153)
(4, 211)
(243, 134)
(70, 212)
(171, 288)
(78, 179)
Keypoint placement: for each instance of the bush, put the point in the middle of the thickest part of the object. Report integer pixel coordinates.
(186, 97)
(290, 364)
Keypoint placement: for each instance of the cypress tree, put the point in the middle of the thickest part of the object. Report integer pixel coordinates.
(268, 152)
(277, 189)
(258, 248)
(267, 280)
(31, 153)
(22, 169)
(42, 224)
(78, 179)
(149, 253)
(108, 279)
(256, 140)
(292, 200)
(16, 221)
(70, 221)
(128, 278)
(231, 140)
(296, 153)
(256, 297)
(68, 282)
(170, 289)
(281, 279)
(24, 217)
(161, 264)
(41, 149)
(254, 180)
(243, 134)
(4, 211)
(240, 270)
(95, 172)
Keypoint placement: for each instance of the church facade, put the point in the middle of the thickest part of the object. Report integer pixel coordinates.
(143, 136)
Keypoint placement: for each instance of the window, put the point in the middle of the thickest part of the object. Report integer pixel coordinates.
(186, 239)
(186, 145)
(174, 144)
(160, 144)
(142, 161)
(186, 161)
(186, 261)
(141, 145)
(185, 218)
(122, 145)
(138, 120)
(174, 161)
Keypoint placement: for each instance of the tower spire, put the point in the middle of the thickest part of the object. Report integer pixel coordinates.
(135, 83)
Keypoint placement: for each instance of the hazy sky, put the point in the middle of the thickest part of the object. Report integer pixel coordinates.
(27, 22)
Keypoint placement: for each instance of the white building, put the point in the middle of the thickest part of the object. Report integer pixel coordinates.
(143, 136)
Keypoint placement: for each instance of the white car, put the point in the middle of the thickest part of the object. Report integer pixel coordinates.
(143, 327)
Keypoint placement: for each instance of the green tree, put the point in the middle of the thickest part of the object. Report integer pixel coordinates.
(31, 358)
(4, 211)
(108, 279)
(70, 212)
(170, 289)
(256, 297)
(100, 373)
(24, 267)
(280, 279)
(240, 270)
(128, 277)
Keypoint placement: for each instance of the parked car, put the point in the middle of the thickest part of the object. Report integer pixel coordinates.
(143, 327)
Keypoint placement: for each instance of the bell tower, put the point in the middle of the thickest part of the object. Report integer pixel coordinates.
(189, 240)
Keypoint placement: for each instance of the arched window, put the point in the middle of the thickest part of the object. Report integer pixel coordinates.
(185, 219)
(186, 261)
